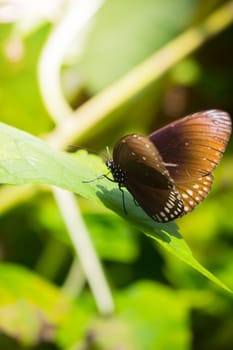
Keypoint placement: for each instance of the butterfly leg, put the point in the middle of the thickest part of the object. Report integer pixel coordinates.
(112, 180)
(92, 180)
(98, 178)
(108, 178)
(136, 203)
(123, 198)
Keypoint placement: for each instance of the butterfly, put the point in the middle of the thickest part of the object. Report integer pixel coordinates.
(169, 172)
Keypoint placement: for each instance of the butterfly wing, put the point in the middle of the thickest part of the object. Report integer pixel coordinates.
(195, 191)
(162, 205)
(140, 160)
(170, 172)
(147, 178)
(191, 148)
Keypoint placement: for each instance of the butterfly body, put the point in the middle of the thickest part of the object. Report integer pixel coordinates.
(170, 172)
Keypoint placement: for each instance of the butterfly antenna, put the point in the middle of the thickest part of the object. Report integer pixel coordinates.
(108, 152)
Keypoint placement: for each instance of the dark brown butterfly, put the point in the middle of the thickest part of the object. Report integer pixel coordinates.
(170, 172)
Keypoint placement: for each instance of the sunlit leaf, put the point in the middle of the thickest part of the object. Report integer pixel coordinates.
(161, 324)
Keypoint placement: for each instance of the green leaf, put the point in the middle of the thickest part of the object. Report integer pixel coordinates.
(161, 324)
(112, 237)
(21, 70)
(26, 159)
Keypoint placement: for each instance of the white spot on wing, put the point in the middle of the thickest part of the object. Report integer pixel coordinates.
(190, 192)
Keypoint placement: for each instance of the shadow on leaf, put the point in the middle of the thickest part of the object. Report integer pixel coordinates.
(112, 199)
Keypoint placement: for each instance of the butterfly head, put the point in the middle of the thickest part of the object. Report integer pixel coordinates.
(110, 164)
(119, 175)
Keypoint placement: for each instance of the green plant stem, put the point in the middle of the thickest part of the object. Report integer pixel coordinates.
(85, 250)
(59, 41)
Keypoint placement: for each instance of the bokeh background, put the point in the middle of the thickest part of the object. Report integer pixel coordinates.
(55, 57)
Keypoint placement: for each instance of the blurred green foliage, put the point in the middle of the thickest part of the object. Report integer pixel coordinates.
(18, 72)
(161, 303)
(146, 28)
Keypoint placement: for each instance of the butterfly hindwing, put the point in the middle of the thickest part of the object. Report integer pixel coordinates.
(162, 205)
(194, 192)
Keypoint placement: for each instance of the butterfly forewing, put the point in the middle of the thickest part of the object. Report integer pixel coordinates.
(140, 160)
(147, 178)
